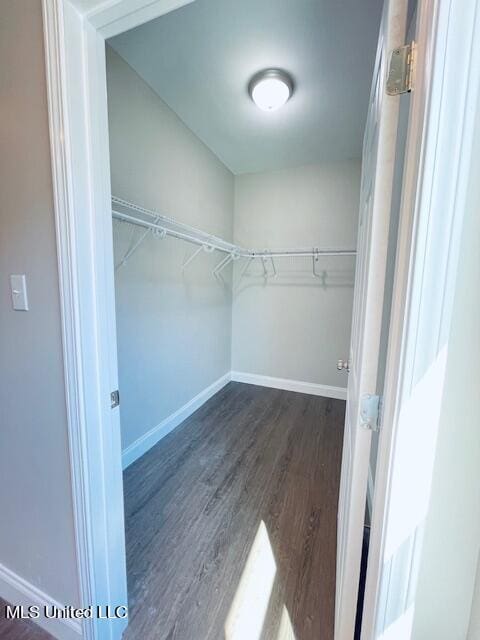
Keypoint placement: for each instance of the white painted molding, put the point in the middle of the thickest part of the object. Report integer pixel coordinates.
(150, 439)
(54, 38)
(437, 171)
(313, 389)
(112, 17)
(17, 591)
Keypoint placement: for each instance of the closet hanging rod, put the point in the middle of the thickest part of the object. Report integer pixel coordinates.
(300, 253)
(175, 234)
(169, 226)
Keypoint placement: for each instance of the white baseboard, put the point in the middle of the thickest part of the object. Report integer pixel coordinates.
(340, 393)
(149, 439)
(17, 591)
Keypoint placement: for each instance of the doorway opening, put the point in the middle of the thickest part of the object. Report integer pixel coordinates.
(234, 235)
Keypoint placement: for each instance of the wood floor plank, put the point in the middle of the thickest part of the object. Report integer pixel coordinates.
(251, 457)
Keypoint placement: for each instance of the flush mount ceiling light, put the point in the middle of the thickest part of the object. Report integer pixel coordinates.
(270, 89)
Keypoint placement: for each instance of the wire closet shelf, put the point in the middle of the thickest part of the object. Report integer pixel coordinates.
(162, 226)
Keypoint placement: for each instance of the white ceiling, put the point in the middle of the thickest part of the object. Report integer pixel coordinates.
(200, 58)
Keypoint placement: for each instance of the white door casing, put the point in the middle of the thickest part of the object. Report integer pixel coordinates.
(438, 156)
(378, 163)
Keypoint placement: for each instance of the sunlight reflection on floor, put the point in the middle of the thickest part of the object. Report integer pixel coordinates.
(285, 632)
(250, 604)
(249, 607)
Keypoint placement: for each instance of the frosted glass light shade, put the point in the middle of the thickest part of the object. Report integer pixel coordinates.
(270, 89)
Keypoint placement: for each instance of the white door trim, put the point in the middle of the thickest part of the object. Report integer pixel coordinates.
(436, 173)
(69, 297)
(111, 18)
(78, 123)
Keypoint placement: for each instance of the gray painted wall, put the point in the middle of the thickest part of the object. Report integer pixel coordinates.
(174, 330)
(293, 327)
(36, 531)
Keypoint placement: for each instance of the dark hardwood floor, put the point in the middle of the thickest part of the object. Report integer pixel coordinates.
(20, 629)
(254, 468)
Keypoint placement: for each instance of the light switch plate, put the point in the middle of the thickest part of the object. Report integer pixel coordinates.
(18, 286)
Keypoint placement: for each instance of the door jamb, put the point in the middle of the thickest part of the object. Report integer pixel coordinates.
(436, 169)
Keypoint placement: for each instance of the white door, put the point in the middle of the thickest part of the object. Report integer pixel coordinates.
(375, 202)
(443, 121)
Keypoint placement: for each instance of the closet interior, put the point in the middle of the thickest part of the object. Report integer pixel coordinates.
(234, 228)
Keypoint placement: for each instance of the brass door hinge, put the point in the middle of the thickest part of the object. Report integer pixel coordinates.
(401, 69)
